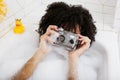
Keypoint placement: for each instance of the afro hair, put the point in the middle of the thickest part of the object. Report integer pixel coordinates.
(67, 17)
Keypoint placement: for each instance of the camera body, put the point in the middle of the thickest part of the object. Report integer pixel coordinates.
(67, 39)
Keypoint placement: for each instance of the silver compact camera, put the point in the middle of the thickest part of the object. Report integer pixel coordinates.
(67, 39)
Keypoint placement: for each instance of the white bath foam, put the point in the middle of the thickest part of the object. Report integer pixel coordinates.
(9, 68)
(11, 63)
(51, 70)
(58, 70)
(17, 49)
(87, 72)
(55, 66)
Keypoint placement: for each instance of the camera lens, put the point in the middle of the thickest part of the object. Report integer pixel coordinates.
(61, 38)
(71, 41)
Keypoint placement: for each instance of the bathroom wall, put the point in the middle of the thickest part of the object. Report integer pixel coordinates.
(117, 16)
(117, 20)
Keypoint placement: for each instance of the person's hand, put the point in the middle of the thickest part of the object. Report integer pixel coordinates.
(45, 39)
(84, 45)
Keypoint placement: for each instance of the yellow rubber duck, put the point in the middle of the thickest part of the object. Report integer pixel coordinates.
(19, 28)
(3, 10)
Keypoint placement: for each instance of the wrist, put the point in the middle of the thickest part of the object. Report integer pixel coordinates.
(73, 56)
(41, 51)
(39, 55)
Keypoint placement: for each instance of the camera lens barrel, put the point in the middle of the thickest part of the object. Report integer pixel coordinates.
(71, 41)
(61, 38)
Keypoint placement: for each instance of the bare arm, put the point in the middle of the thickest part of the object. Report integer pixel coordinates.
(73, 69)
(31, 65)
(74, 57)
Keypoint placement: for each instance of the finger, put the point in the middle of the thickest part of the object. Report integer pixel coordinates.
(80, 36)
(50, 29)
(53, 27)
(82, 42)
(80, 39)
(85, 40)
(51, 32)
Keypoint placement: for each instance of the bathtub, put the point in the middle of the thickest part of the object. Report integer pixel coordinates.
(109, 41)
(15, 50)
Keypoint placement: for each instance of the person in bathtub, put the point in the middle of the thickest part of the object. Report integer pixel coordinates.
(73, 18)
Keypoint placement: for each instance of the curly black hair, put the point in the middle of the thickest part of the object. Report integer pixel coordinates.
(67, 17)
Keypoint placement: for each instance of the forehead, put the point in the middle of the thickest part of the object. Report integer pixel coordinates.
(72, 28)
